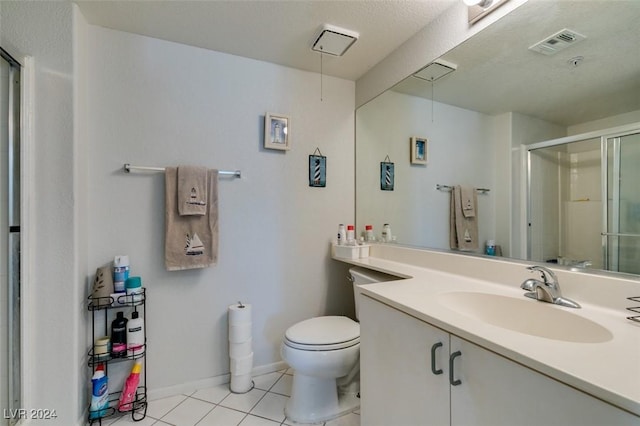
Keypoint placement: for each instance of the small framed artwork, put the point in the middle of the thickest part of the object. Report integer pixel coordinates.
(387, 175)
(277, 130)
(317, 171)
(419, 150)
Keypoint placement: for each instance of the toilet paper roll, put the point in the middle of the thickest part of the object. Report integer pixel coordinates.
(240, 350)
(239, 313)
(239, 333)
(241, 383)
(243, 365)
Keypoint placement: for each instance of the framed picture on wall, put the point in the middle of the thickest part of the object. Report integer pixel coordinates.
(387, 175)
(419, 150)
(277, 130)
(317, 171)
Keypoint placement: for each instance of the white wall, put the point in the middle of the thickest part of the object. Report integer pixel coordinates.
(604, 123)
(156, 103)
(457, 155)
(44, 30)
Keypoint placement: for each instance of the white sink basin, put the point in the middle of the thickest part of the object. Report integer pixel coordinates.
(526, 316)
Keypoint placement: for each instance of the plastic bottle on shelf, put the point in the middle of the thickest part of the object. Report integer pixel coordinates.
(386, 233)
(368, 231)
(99, 394)
(342, 234)
(120, 273)
(119, 336)
(135, 335)
(133, 288)
(351, 235)
(128, 394)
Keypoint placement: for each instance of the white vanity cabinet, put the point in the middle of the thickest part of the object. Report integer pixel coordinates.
(400, 387)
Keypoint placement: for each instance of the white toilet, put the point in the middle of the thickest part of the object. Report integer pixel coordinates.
(324, 353)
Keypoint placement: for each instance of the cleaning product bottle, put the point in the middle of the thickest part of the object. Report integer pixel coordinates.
(99, 394)
(128, 395)
(135, 334)
(119, 336)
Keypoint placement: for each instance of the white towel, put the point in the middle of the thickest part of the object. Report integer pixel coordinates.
(192, 190)
(190, 241)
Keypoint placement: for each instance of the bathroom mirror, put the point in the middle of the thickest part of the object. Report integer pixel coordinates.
(501, 96)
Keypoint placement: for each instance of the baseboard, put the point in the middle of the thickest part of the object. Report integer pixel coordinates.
(191, 387)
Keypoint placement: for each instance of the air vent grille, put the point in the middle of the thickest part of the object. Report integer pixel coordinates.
(557, 42)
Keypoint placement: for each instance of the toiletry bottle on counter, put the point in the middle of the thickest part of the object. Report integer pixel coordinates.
(351, 235)
(135, 334)
(342, 234)
(99, 394)
(368, 232)
(386, 233)
(120, 272)
(119, 336)
(491, 248)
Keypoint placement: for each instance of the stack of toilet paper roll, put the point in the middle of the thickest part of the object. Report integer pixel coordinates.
(240, 351)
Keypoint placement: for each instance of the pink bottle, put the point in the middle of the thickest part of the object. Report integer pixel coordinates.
(128, 395)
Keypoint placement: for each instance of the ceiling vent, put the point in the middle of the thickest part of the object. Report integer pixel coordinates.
(333, 40)
(557, 42)
(435, 70)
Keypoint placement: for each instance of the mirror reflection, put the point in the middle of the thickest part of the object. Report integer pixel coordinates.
(479, 119)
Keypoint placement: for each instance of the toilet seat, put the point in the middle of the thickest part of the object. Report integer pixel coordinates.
(323, 334)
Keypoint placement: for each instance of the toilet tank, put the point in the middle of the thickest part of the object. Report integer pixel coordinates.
(363, 276)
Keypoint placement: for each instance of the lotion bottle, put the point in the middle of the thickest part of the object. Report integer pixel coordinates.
(135, 334)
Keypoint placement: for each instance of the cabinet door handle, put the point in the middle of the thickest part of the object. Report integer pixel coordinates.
(451, 369)
(433, 358)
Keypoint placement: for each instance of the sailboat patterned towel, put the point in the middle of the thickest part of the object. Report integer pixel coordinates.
(190, 241)
(192, 190)
(463, 230)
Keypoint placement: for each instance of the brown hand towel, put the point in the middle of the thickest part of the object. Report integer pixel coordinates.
(190, 241)
(192, 190)
(463, 231)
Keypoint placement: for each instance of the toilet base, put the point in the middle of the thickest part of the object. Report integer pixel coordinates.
(316, 400)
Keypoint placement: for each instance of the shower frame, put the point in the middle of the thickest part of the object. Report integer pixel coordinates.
(14, 305)
(614, 134)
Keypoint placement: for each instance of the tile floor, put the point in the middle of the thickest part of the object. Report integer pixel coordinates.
(217, 406)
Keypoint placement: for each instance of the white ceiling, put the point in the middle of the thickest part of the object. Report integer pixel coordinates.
(275, 31)
(497, 73)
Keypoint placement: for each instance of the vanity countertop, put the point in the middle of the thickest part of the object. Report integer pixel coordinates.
(609, 371)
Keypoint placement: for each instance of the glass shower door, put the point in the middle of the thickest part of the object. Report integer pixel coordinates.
(10, 303)
(621, 236)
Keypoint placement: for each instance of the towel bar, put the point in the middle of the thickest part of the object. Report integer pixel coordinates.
(449, 188)
(128, 168)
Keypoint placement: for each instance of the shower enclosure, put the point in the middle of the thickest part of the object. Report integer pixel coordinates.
(584, 200)
(10, 349)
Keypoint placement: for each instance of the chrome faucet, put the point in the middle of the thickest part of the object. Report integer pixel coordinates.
(547, 289)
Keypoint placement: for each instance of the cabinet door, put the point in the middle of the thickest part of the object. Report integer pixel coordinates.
(398, 387)
(496, 391)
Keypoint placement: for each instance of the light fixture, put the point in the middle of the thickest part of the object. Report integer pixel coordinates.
(333, 40)
(480, 8)
(481, 3)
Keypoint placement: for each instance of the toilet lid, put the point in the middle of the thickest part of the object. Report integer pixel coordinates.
(324, 331)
